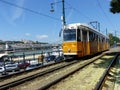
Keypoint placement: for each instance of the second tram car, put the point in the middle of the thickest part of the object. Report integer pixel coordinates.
(80, 40)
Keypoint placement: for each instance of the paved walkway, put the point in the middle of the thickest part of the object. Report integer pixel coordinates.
(116, 49)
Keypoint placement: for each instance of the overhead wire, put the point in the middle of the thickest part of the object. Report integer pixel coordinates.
(42, 14)
(78, 11)
(29, 10)
(107, 18)
(90, 19)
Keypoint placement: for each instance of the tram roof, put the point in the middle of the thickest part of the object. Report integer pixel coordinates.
(86, 26)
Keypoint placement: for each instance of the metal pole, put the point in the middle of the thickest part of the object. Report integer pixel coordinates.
(24, 57)
(34, 56)
(115, 33)
(106, 31)
(99, 26)
(115, 39)
(63, 12)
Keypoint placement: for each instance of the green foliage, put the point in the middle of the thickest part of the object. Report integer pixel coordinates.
(113, 39)
(115, 6)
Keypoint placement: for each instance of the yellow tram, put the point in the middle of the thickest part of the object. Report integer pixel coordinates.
(80, 40)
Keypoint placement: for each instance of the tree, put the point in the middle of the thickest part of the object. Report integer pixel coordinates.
(112, 39)
(115, 6)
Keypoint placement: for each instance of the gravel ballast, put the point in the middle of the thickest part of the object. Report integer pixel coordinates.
(86, 78)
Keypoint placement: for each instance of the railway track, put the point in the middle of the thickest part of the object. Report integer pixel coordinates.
(101, 84)
(85, 78)
(41, 75)
(28, 71)
(22, 74)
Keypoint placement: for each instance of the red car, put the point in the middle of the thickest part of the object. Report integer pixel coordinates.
(23, 64)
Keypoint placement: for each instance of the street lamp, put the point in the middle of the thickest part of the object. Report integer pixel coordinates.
(63, 14)
(52, 8)
(63, 11)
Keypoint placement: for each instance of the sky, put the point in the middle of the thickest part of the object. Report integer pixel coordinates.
(34, 21)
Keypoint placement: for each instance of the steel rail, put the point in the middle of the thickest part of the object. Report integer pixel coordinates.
(102, 79)
(66, 75)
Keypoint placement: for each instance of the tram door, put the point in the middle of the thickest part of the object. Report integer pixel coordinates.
(85, 40)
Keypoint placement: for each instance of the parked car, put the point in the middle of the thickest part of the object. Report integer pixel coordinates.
(32, 66)
(50, 58)
(12, 67)
(2, 70)
(23, 64)
(1, 63)
(8, 62)
(59, 58)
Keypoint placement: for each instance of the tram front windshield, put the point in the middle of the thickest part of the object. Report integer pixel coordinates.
(69, 35)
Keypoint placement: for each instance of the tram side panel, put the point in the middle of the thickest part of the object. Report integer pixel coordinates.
(98, 46)
(86, 48)
(108, 45)
(85, 42)
(80, 49)
(93, 47)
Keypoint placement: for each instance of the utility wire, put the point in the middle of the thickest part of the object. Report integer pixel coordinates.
(29, 10)
(79, 11)
(108, 19)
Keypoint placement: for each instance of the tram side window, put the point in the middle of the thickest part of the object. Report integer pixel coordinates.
(107, 40)
(78, 35)
(99, 39)
(92, 36)
(96, 37)
(102, 39)
(84, 35)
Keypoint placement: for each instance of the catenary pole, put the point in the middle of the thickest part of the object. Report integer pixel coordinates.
(63, 12)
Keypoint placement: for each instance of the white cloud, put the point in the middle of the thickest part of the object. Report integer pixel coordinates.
(27, 34)
(41, 36)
